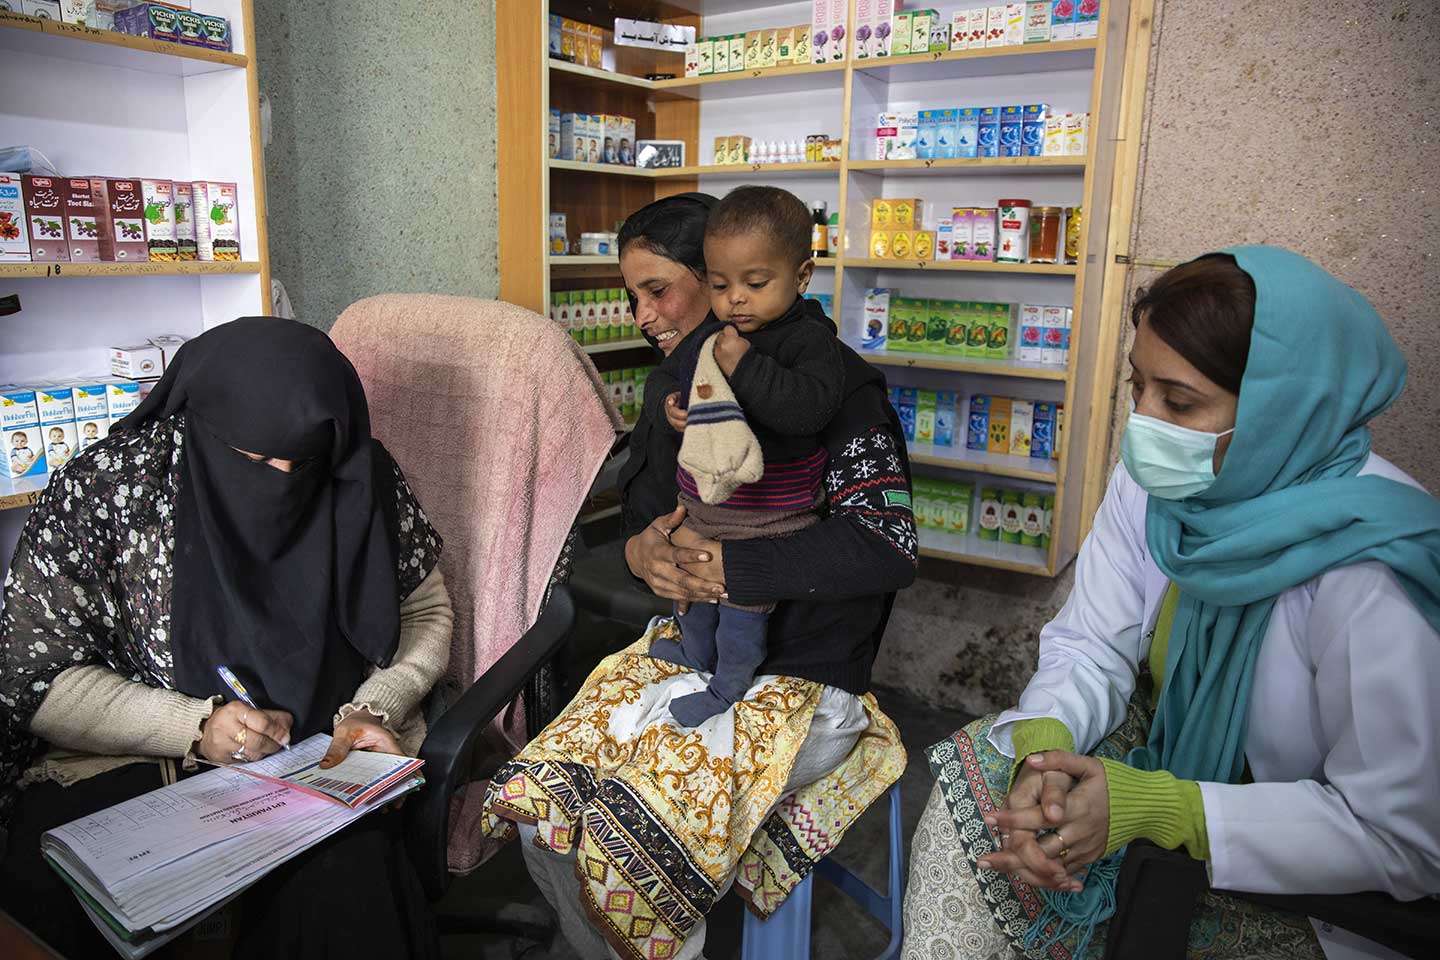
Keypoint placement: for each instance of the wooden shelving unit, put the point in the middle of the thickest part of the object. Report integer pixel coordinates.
(844, 98)
(50, 73)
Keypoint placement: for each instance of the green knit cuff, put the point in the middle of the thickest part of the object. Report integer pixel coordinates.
(1154, 805)
(1037, 735)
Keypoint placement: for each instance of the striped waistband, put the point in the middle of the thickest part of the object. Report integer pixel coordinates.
(788, 486)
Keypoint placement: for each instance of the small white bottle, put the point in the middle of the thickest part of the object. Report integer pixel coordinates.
(796, 152)
(758, 151)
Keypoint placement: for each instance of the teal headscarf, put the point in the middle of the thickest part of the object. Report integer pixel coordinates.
(1286, 507)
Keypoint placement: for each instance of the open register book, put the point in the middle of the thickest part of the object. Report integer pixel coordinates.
(148, 869)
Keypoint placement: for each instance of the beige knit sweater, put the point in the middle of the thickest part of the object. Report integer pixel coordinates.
(96, 720)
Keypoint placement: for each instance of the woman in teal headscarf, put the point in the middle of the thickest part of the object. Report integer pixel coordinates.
(1246, 665)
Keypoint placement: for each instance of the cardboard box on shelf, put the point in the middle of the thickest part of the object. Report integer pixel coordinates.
(81, 228)
(45, 200)
(120, 216)
(217, 220)
(160, 233)
(14, 233)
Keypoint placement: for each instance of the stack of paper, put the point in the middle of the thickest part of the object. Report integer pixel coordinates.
(149, 868)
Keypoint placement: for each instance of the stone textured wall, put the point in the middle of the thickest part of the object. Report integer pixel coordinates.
(381, 167)
(1274, 121)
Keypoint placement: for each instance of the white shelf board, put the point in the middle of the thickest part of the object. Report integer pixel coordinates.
(15, 494)
(969, 548)
(986, 166)
(188, 268)
(935, 361)
(988, 62)
(68, 41)
(981, 461)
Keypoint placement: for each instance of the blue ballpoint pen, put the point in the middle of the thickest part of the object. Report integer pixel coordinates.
(233, 682)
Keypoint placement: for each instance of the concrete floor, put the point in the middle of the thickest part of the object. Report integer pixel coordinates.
(839, 930)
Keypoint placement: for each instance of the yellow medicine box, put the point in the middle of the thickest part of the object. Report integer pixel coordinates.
(879, 245)
(904, 212)
(880, 214)
(902, 245)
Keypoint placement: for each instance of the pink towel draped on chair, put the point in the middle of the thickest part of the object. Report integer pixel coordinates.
(501, 424)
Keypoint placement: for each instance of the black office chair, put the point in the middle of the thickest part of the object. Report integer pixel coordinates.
(1157, 891)
(453, 756)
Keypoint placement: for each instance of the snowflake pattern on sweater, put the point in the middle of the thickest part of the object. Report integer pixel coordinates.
(867, 484)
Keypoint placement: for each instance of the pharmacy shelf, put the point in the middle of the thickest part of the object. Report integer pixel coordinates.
(69, 41)
(988, 61)
(748, 82)
(972, 266)
(610, 169)
(994, 368)
(969, 548)
(980, 461)
(826, 261)
(746, 170)
(24, 492)
(686, 173)
(603, 76)
(983, 165)
(190, 268)
(574, 267)
(616, 345)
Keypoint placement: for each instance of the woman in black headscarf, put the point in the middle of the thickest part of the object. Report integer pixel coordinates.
(243, 516)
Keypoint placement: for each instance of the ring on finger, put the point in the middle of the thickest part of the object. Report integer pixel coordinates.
(240, 756)
(240, 736)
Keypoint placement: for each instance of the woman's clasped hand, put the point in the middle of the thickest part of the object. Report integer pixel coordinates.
(1055, 821)
(237, 732)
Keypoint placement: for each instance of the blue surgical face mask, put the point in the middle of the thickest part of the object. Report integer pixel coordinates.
(1168, 461)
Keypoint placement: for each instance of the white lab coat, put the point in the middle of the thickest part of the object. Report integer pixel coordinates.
(1344, 727)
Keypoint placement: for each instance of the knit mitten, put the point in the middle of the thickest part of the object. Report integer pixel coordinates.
(719, 450)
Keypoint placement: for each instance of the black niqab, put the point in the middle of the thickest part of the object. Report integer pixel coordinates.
(287, 578)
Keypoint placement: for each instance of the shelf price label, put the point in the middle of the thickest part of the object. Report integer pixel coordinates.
(11, 19)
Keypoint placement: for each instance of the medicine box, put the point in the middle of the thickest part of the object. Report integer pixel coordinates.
(784, 46)
(1077, 128)
(998, 438)
(876, 319)
(838, 27)
(1087, 21)
(60, 443)
(556, 31)
(900, 33)
(1014, 24)
(1029, 344)
(1022, 414)
(185, 245)
(137, 361)
(800, 46)
(704, 57)
(155, 21)
(44, 9)
(217, 220)
(1037, 21)
(692, 59)
(14, 234)
(947, 129)
(925, 416)
(926, 133)
(81, 227)
(987, 138)
(572, 136)
(881, 26)
(982, 237)
(1032, 129)
(753, 49)
(977, 429)
(967, 131)
(959, 30)
(191, 28)
(159, 198)
(944, 419)
(45, 217)
(719, 54)
(737, 52)
(217, 33)
(1054, 139)
(1062, 19)
(995, 25)
(907, 410)
(1042, 431)
(920, 30)
(20, 423)
(120, 216)
(552, 145)
(92, 412)
(1012, 122)
(769, 48)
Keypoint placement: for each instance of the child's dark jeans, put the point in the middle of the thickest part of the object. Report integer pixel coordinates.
(728, 642)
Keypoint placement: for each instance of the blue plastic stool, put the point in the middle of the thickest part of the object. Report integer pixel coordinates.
(786, 935)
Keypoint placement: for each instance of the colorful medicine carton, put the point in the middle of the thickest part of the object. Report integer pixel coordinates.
(959, 30)
(45, 200)
(769, 48)
(987, 517)
(737, 52)
(1042, 431)
(920, 21)
(975, 27)
(1012, 122)
(945, 240)
(1037, 21)
(906, 410)
(967, 131)
(1022, 416)
(957, 327)
(987, 137)
(1077, 129)
(155, 21)
(947, 129)
(925, 416)
(876, 319)
(997, 336)
(55, 405)
(1032, 129)
(92, 412)
(1014, 24)
(944, 418)
(1030, 339)
(14, 233)
(977, 330)
(997, 440)
(1010, 506)
(1054, 345)
(800, 48)
(120, 217)
(20, 426)
(925, 138)
(1087, 20)
(159, 197)
(977, 429)
(1054, 137)
(982, 235)
(957, 519)
(1062, 19)
(217, 220)
(900, 29)
(1032, 519)
(191, 28)
(81, 229)
(995, 25)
